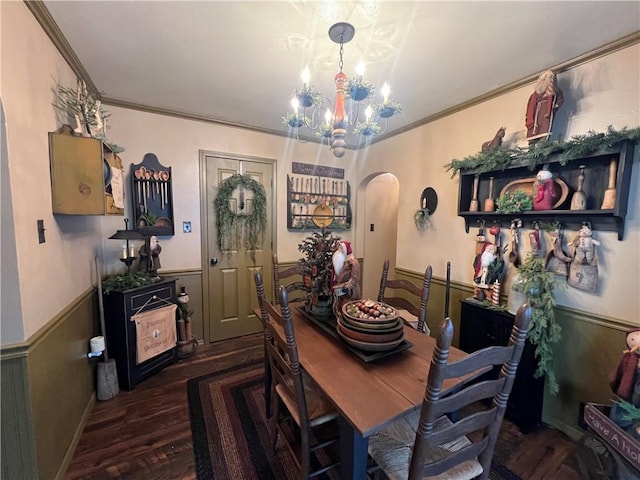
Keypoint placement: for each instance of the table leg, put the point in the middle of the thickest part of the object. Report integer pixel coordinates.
(353, 452)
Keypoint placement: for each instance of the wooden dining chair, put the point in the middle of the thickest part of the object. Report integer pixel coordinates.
(294, 395)
(297, 285)
(267, 366)
(427, 443)
(415, 304)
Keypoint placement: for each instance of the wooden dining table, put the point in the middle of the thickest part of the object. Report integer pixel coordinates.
(371, 395)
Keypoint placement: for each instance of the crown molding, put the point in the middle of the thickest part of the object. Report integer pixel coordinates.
(48, 24)
(42, 15)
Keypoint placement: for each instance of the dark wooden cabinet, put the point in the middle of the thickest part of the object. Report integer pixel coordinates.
(119, 307)
(481, 327)
(597, 180)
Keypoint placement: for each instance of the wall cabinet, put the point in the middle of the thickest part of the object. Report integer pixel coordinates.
(86, 176)
(119, 307)
(605, 173)
(318, 202)
(481, 328)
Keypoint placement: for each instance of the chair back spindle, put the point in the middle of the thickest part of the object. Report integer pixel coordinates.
(420, 296)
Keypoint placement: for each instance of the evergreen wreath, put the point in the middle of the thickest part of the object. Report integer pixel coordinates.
(249, 226)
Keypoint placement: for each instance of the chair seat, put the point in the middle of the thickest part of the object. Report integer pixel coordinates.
(391, 449)
(319, 408)
(411, 319)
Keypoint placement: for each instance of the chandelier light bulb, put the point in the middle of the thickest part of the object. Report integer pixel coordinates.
(360, 70)
(306, 76)
(295, 104)
(327, 116)
(385, 91)
(367, 113)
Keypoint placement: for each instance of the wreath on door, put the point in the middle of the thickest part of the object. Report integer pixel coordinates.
(249, 223)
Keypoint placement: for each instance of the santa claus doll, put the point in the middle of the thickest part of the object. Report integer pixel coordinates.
(625, 382)
(345, 278)
(488, 266)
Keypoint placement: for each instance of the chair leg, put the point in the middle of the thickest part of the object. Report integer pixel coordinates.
(267, 385)
(273, 421)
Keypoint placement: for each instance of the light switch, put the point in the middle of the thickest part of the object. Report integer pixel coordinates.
(371, 227)
(41, 230)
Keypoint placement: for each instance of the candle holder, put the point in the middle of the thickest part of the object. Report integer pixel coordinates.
(127, 235)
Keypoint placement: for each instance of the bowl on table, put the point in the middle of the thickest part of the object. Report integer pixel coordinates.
(371, 346)
(374, 336)
(369, 311)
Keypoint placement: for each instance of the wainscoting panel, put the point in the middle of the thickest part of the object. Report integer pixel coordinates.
(18, 442)
(55, 384)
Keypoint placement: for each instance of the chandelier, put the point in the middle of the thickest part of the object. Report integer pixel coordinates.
(308, 104)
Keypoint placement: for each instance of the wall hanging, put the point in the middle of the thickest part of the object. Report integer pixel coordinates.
(152, 197)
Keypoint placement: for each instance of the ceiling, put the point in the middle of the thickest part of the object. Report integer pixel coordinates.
(238, 62)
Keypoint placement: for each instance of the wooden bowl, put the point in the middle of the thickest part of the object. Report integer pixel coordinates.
(372, 327)
(388, 318)
(369, 337)
(371, 347)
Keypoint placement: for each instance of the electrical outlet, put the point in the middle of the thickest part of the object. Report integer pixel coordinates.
(186, 227)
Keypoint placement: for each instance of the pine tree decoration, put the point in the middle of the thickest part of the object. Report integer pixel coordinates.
(316, 264)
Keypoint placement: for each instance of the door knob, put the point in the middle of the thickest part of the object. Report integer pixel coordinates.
(213, 262)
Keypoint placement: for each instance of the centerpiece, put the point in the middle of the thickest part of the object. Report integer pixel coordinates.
(316, 268)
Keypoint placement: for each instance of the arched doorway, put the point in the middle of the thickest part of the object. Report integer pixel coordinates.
(381, 198)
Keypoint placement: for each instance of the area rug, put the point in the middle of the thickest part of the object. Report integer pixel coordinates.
(230, 433)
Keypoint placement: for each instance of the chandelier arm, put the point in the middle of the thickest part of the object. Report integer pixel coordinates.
(383, 129)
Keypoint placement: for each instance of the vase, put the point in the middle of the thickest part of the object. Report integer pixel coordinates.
(489, 203)
(473, 207)
(516, 296)
(579, 199)
(609, 200)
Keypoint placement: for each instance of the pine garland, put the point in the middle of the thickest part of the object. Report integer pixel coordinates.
(249, 226)
(538, 284)
(577, 147)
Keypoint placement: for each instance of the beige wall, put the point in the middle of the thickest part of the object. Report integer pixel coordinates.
(597, 94)
(51, 275)
(177, 142)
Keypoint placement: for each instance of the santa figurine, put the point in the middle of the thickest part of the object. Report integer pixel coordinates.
(625, 381)
(150, 257)
(488, 267)
(544, 192)
(345, 278)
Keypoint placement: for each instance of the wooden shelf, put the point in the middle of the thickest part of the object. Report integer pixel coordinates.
(301, 204)
(597, 168)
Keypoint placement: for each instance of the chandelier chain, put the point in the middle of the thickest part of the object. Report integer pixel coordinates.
(341, 50)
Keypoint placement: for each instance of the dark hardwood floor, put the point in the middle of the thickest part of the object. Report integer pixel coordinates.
(145, 434)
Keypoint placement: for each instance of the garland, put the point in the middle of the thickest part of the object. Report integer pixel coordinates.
(538, 285)
(251, 224)
(577, 147)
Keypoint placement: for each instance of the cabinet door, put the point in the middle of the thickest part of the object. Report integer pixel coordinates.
(82, 172)
(77, 175)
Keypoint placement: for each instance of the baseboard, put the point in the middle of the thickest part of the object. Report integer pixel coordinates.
(66, 461)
